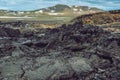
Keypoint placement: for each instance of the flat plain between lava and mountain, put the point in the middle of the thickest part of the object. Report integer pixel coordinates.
(82, 50)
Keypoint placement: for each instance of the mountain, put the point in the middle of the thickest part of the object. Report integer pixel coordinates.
(58, 9)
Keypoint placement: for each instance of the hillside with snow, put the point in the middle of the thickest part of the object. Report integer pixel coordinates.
(58, 9)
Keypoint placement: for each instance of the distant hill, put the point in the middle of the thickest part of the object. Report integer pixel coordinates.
(58, 9)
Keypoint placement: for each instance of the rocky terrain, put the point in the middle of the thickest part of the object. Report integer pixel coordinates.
(99, 18)
(109, 20)
(70, 52)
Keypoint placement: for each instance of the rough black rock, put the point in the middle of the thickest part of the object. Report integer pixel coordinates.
(70, 52)
(8, 32)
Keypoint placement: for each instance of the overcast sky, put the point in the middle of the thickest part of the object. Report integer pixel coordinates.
(37, 4)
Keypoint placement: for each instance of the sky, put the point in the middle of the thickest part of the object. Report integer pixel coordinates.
(23, 5)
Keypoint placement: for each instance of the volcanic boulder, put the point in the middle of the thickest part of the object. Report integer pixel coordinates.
(9, 32)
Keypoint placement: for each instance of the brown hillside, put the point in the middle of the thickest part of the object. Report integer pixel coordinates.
(99, 18)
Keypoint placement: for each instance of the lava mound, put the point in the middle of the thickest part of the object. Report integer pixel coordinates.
(99, 18)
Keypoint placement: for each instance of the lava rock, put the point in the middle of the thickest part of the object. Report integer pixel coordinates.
(9, 32)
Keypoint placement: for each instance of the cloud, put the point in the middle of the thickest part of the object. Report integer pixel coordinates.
(37, 4)
(1, 7)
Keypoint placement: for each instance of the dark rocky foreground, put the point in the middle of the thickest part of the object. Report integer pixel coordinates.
(70, 52)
